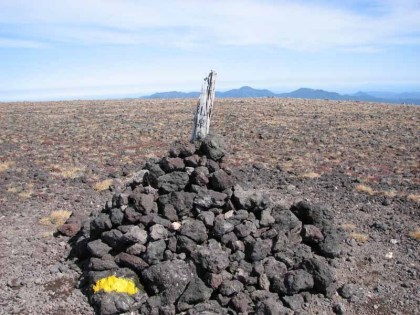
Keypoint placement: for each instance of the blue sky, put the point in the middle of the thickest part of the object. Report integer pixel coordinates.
(97, 48)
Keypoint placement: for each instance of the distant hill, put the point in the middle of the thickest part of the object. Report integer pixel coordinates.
(307, 93)
(174, 94)
(246, 91)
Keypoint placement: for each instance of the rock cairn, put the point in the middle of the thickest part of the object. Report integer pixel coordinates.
(194, 242)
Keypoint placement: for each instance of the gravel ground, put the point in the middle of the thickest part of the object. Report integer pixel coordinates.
(362, 159)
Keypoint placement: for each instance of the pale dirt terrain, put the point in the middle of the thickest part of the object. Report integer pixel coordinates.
(361, 158)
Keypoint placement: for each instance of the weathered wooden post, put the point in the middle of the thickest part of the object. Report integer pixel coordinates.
(204, 108)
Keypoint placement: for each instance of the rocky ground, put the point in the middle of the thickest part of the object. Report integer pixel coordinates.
(361, 159)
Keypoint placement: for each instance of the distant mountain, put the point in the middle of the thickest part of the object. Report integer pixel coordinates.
(307, 93)
(246, 91)
(174, 94)
(312, 94)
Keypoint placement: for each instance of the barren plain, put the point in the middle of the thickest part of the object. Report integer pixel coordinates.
(360, 158)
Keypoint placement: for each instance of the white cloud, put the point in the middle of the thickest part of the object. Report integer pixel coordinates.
(194, 24)
(21, 43)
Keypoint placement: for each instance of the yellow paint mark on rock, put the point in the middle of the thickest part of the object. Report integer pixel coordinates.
(115, 284)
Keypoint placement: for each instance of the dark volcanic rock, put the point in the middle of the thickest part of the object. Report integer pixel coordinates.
(154, 252)
(142, 203)
(311, 234)
(196, 292)
(172, 164)
(181, 149)
(252, 200)
(168, 279)
(71, 227)
(271, 306)
(195, 230)
(259, 250)
(213, 147)
(322, 274)
(97, 248)
(132, 262)
(231, 287)
(100, 224)
(211, 257)
(201, 246)
(220, 180)
(174, 181)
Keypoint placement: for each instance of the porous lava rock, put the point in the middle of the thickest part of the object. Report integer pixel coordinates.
(200, 243)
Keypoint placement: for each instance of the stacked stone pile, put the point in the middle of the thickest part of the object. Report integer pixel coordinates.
(194, 242)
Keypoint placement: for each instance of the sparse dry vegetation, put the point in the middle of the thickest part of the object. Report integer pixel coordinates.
(103, 185)
(4, 166)
(55, 218)
(415, 234)
(414, 197)
(359, 237)
(365, 189)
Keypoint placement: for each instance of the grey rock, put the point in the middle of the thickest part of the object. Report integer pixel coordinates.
(198, 178)
(220, 180)
(287, 221)
(174, 181)
(213, 147)
(116, 216)
(154, 252)
(182, 149)
(182, 202)
(231, 287)
(207, 217)
(221, 226)
(263, 282)
(195, 230)
(271, 306)
(119, 200)
(136, 249)
(259, 249)
(251, 200)
(71, 227)
(154, 169)
(213, 166)
(168, 279)
(274, 269)
(112, 303)
(339, 309)
(242, 303)
(131, 261)
(135, 234)
(210, 199)
(294, 302)
(100, 224)
(158, 232)
(211, 257)
(196, 292)
(113, 238)
(266, 218)
(311, 234)
(330, 246)
(192, 161)
(143, 203)
(322, 274)
(210, 307)
(317, 214)
(169, 165)
(170, 212)
(98, 248)
(99, 264)
(185, 244)
(244, 229)
(131, 215)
